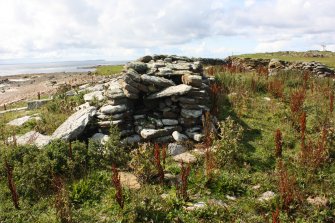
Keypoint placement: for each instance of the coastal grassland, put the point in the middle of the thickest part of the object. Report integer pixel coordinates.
(242, 165)
(108, 70)
(325, 57)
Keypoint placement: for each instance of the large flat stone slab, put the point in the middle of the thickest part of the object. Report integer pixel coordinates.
(170, 91)
(75, 124)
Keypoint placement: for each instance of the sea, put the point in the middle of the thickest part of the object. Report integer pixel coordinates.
(12, 68)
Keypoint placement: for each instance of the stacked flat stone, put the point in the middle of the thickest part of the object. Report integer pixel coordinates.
(157, 98)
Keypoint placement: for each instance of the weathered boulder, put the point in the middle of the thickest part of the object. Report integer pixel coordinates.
(139, 67)
(75, 124)
(179, 137)
(33, 138)
(100, 138)
(176, 149)
(185, 157)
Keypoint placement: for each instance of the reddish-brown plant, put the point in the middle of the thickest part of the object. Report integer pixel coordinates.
(314, 155)
(262, 71)
(158, 163)
(305, 79)
(209, 162)
(207, 126)
(331, 101)
(296, 105)
(215, 94)
(116, 181)
(279, 143)
(276, 88)
(182, 187)
(302, 129)
(286, 186)
(70, 150)
(62, 204)
(11, 185)
(275, 216)
(164, 154)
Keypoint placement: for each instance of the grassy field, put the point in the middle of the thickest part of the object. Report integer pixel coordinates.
(107, 70)
(265, 144)
(328, 57)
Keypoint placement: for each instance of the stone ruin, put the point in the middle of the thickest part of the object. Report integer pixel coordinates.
(158, 99)
(275, 65)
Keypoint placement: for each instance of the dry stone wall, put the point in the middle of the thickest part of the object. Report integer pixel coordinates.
(158, 99)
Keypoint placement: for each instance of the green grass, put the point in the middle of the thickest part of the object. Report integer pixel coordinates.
(327, 59)
(107, 70)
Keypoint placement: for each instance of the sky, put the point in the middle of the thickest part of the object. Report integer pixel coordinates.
(53, 30)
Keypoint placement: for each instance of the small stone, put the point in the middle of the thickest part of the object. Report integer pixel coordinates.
(266, 196)
(232, 198)
(100, 138)
(187, 113)
(256, 187)
(153, 133)
(131, 139)
(170, 122)
(318, 201)
(175, 149)
(185, 157)
(179, 137)
(198, 205)
(110, 109)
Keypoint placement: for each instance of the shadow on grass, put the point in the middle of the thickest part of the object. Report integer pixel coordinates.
(249, 135)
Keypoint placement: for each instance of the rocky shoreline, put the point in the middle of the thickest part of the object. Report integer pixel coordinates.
(15, 88)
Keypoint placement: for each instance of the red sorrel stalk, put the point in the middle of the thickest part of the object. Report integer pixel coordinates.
(117, 185)
(158, 163)
(279, 143)
(11, 185)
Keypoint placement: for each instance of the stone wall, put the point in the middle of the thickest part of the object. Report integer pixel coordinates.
(275, 65)
(157, 98)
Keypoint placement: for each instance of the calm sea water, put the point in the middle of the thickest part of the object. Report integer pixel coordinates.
(52, 67)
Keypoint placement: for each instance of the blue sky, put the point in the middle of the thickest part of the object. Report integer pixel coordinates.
(126, 29)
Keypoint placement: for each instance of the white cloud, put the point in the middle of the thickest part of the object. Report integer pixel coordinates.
(90, 29)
